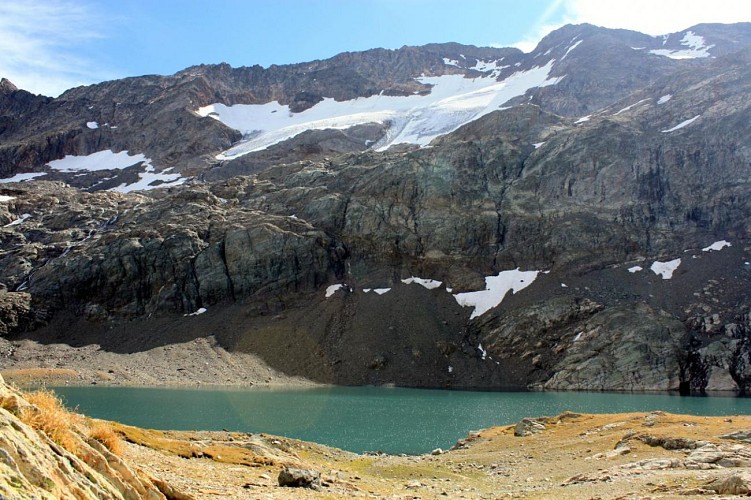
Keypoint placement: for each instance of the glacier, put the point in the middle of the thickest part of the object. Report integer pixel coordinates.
(454, 100)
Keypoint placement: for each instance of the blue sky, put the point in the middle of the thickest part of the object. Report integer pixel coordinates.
(47, 46)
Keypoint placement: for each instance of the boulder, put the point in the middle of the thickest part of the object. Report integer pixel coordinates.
(529, 426)
(736, 484)
(744, 436)
(299, 478)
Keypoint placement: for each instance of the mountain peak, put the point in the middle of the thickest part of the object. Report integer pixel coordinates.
(6, 86)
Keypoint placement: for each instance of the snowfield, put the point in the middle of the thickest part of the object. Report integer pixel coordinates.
(417, 119)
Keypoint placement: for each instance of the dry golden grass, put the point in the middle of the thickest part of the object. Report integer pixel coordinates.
(184, 448)
(48, 415)
(105, 434)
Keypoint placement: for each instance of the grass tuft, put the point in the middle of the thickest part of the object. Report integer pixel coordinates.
(48, 415)
(105, 434)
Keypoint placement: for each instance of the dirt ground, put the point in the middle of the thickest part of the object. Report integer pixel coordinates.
(639, 455)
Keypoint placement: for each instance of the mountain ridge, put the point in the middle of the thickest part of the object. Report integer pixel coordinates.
(502, 175)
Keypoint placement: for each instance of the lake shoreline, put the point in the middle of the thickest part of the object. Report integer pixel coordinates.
(42, 377)
(199, 363)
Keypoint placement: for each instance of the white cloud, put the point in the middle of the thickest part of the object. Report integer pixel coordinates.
(547, 22)
(657, 18)
(646, 16)
(40, 44)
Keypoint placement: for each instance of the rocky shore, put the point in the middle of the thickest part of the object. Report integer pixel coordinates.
(198, 362)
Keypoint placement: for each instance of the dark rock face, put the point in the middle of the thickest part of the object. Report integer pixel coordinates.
(623, 348)
(15, 312)
(658, 171)
(176, 256)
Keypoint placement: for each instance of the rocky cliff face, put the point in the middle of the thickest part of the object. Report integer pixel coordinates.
(657, 171)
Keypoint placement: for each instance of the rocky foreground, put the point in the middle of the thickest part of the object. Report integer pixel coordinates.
(637, 455)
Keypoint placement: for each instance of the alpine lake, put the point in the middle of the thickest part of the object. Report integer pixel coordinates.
(364, 419)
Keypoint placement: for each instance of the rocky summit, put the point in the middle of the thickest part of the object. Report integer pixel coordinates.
(574, 218)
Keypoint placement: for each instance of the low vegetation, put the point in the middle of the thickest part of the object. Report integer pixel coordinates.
(105, 434)
(46, 412)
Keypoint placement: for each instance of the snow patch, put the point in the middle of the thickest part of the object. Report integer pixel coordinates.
(490, 66)
(717, 245)
(5, 199)
(629, 107)
(92, 125)
(483, 351)
(496, 288)
(571, 48)
(697, 48)
(150, 179)
(330, 290)
(198, 311)
(583, 119)
(665, 269)
(664, 99)
(427, 283)
(564, 285)
(21, 177)
(19, 221)
(451, 62)
(379, 291)
(538, 144)
(108, 160)
(101, 160)
(417, 119)
(451, 369)
(635, 269)
(682, 124)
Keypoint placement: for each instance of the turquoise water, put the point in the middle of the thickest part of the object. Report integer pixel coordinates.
(359, 419)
